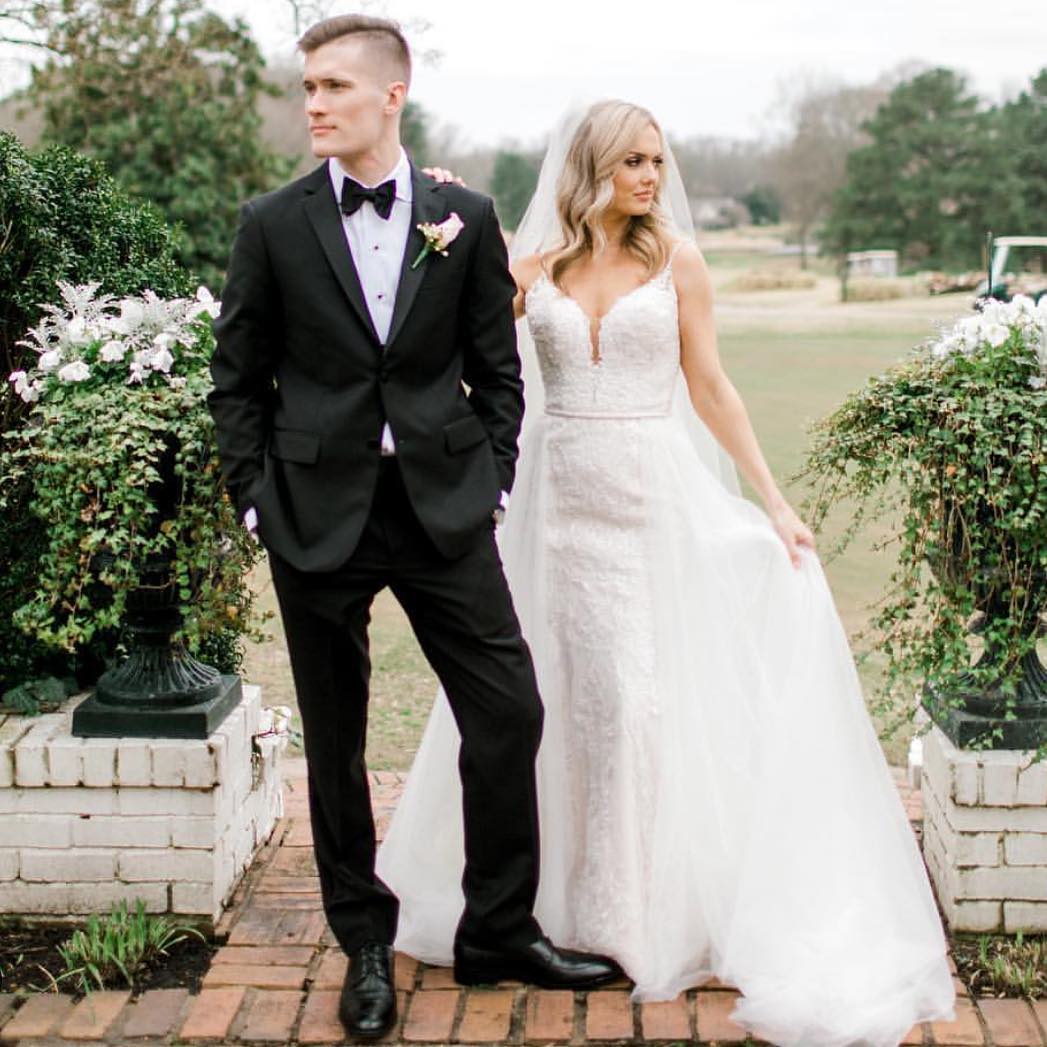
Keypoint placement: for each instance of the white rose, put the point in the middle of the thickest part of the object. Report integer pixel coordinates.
(23, 387)
(205, 303)
(76, 330)
(162, 361)
(132, 314)
(449, 229)
(50, 360)
(77, 371)
(996, 334)
(112, 351)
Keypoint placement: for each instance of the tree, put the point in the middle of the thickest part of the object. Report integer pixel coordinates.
(917, 185)
(1016, 163)
(414, 133)
(512, 185)
(165, 93)
(764, 205)
(825, 122)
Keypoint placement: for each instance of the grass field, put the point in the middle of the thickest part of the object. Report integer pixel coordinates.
(793, 355)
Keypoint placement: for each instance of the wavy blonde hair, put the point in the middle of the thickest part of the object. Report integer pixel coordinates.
(585, 191)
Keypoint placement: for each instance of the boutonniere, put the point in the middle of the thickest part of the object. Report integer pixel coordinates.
(438, 236)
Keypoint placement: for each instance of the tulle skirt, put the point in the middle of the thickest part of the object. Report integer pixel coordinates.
(713, 797)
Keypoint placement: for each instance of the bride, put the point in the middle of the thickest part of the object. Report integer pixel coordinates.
(714, 801)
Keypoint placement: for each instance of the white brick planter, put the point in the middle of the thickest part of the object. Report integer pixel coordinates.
(85, 822)
(985, 835)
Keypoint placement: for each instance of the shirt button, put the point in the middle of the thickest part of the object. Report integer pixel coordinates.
(381, 296)
(376, 247)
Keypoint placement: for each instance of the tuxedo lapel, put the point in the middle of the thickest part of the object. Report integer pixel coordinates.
(426, 206)
(326, 219)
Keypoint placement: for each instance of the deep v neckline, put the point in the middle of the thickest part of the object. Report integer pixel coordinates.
(595, 323)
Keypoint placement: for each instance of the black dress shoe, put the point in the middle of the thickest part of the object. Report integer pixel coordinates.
(368, 1003)
(541, 963)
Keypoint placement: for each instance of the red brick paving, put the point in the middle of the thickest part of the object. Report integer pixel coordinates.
(711, 1011)
(1011, 1023)
(212, 1013)
(37, 1017)
(488, 1016)
(320, 1022)
(262, 976)
(93, 1016)
(609, 1015)
(430, 1016)
(293, 955)
(549, 1016)
(965, 1031)
(155, 1013)
(666, 1021)
(1039, 1008)
(438, 978)
(332, 970)
(271, 1014)
(277, 980)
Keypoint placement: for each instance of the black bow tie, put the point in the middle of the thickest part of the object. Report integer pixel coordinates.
(382, 196)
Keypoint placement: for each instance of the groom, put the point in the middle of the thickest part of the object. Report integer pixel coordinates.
(367, 399)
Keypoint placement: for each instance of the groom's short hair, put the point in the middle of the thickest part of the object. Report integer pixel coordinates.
(384, 35)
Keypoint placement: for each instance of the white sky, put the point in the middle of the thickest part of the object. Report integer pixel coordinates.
(507, 70)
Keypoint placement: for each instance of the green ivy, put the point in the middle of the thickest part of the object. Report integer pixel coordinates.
(952, 448)
(93, 452)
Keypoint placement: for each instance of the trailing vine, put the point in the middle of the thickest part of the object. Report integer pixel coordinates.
(119, 448)
(949, 449)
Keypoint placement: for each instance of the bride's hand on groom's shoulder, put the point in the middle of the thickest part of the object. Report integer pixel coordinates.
(442, 175)
(792, 531)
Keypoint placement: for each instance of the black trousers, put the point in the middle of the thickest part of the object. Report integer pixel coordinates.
(463, 617)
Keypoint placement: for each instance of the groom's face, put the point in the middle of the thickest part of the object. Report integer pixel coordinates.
(349, 98)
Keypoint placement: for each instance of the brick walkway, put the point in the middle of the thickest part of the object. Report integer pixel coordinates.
(276, 980)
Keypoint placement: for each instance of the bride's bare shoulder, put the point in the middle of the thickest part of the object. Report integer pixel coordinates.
(526, 270)
(690, 273)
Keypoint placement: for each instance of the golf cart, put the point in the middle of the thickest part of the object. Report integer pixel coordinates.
(1019, 266)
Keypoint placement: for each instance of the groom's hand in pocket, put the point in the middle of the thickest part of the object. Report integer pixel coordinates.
(498, 512)
(250, 521)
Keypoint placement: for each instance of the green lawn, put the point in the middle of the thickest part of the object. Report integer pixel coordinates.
(793, 359)
(788, 380)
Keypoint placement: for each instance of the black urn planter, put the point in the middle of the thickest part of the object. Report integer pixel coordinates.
(159, 690)
(984, 715)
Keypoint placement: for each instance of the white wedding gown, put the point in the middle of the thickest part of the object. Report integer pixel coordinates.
(713, 797)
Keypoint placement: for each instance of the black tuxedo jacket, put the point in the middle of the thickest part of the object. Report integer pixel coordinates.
(302, 385)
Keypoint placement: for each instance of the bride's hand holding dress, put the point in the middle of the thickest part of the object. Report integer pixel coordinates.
(716, 401)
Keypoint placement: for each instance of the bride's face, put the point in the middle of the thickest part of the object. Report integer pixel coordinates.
(638, 175)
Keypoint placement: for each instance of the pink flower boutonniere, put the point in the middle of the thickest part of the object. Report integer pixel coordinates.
(438, 236)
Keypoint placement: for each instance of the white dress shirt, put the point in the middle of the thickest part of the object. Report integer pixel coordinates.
(377, 245)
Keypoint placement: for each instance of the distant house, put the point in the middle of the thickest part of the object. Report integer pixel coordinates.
(872, 263)
(718, 212)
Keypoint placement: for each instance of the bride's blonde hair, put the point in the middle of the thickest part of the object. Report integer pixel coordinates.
(585, 190)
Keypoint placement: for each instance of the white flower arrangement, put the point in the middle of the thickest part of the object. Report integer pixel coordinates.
(95, 337)
(1020, 318)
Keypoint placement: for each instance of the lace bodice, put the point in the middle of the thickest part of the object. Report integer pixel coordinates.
(638, 349)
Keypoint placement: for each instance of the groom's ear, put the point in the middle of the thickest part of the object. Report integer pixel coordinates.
(396, 98)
